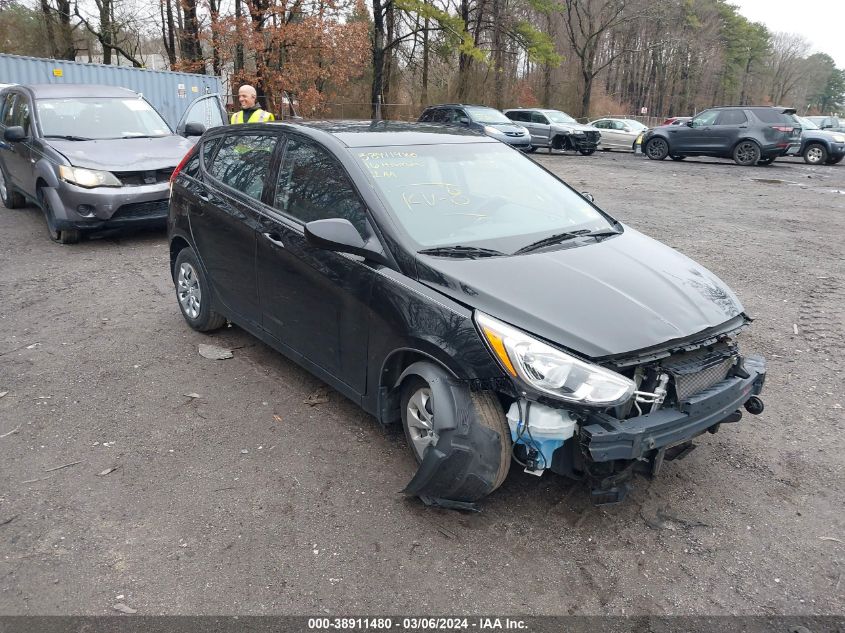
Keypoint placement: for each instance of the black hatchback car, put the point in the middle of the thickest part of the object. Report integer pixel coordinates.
(750, 135)
(441, 279)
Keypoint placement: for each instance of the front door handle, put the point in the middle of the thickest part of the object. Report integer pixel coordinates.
(275, 238)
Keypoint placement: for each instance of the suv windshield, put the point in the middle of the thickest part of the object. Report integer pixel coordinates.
(480, 194)
(100, 118)
(487, 115)
(556, 116)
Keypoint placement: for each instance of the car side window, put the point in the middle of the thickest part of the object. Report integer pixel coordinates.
(441, 115)
(458, 114)
(243, 162)
(538, 117)
(9, 110)
(602, 125)
(518, 115)
(618, 125)
(705, 118)
(6, 106)
(426, 116)
(732, 117)
(312, 185)
(23, 116)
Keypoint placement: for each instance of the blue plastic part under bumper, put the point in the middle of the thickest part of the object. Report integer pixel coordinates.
(607, 438)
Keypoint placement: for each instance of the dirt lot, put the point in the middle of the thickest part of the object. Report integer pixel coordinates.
(245, 499)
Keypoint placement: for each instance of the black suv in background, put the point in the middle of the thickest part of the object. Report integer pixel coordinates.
(484, 119)
(750, 135)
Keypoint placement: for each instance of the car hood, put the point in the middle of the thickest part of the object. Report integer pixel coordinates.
(577, 127)
(820, 135)
(617, 296)
(134, 154)
(505, 127)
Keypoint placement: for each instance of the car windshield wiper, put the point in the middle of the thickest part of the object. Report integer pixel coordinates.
(557, 238)
(133, 135)
(469, 252)
(68, 137)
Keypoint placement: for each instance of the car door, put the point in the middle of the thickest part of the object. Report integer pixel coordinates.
(541, 128)
(18, 156)
(206, 110)
(730, 125)
(224, 217)
(315, 301)
(694, 138)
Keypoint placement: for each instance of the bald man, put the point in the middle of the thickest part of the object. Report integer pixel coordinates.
(250, 111)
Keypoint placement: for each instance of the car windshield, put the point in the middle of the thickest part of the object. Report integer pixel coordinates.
(99, 118)
(556, 116)
(635, 125)
(475, 194)
(487, 115)
(806, 123)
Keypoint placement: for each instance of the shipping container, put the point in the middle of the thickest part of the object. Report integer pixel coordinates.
(169, 92)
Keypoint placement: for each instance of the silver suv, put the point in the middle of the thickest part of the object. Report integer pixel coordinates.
(556, 130)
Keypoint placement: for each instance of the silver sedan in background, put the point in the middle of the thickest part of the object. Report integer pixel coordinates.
(619, 133)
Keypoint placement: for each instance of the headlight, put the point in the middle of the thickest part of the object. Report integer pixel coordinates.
(550, 370)
(839, 138)
(489, 129)
(88, 177)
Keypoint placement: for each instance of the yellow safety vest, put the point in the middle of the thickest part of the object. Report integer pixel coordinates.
(259, 116)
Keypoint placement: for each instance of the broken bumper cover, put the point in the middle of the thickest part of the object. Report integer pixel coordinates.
(606, 438)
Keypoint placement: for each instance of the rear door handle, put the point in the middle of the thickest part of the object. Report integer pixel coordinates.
(275, 238)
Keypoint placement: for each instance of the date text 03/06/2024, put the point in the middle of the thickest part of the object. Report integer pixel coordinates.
(415, 624)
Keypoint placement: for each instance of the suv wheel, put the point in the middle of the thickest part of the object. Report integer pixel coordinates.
(815, 154)
(11, 199)
(62, 236)
(746, 153)
(194, 293)
(657, 148)
(586, 151)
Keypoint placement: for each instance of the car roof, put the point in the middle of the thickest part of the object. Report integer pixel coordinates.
(377, 133)
(60, 91)
(459, 105)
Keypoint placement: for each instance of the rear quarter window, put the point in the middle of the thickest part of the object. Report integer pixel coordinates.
(769, 115)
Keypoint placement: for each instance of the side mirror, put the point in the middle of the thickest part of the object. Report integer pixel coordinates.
(463, 120)
(14, 134)
(588, 196)
(194, 129)
(690, 124)
(338, 234)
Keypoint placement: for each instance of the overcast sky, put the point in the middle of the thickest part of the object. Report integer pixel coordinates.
(820, 22)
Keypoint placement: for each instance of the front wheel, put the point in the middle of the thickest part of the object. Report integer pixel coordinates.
(815, 154)
(587, 151)
(746, 153)
(530, 150)
(62, 236)
(657, 148)
(419, 408)
(194, 293)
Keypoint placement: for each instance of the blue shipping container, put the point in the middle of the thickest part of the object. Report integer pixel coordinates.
(169, 92)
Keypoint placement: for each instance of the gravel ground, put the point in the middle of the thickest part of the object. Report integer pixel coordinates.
(241, 498)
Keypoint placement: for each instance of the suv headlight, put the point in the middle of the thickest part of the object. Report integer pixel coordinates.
(550, 370)
(839, 138)
(88, 177)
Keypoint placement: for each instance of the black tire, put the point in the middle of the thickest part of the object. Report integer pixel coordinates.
(485, 410)
(746, 153)
(61, 236)
(815, 154)
(559, 143)
(677, 157)
(587, 151)
(834, 161)
(766, 161)
(11, 199)
(657, 148)
(530, 150)
(190, 282)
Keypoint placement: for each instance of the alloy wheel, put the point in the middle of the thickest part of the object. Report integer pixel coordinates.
(815, 155)
(420, 420)
(747, 153)
(190, 293)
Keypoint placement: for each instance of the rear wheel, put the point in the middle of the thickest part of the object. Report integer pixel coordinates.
(657, 148)
(815, 154)
(194, 293)
(62, 236)
(11, 199)
(746, 153)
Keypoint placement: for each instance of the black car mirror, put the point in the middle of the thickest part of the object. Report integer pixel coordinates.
(588, 196)
(690, 124)
(194, 129)
(14, 134)
(338, 234)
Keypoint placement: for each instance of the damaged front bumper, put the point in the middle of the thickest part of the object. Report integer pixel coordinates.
(606, 438)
